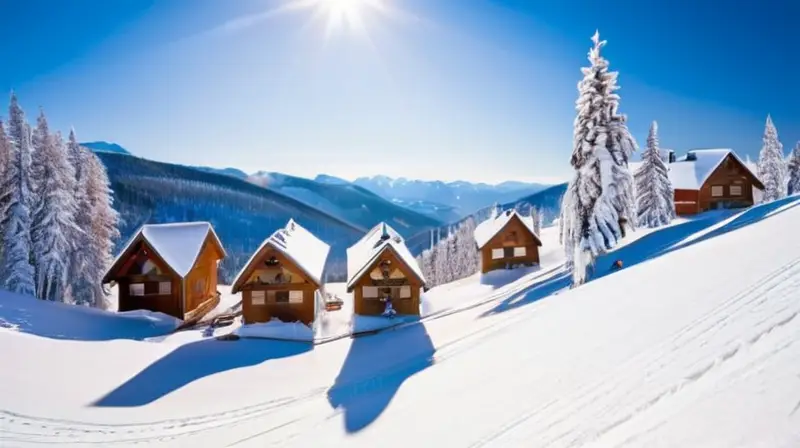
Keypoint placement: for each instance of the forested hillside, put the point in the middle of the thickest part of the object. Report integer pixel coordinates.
(242, 214)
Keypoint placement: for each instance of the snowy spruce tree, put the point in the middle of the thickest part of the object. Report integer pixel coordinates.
(771, 164)
(793, 167)
(102, 230)
(654, 195)
(54, 211)
(600, 197)
(16, 271)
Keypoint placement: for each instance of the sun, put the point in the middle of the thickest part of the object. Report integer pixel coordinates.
(344, 15)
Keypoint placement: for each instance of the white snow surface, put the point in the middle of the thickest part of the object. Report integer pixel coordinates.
(178, 244)
(362, 254)
(296, 243)
(276, 329)
(486, 230)
(694, 343)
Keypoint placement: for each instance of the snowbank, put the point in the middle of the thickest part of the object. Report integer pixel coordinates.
(275, 329)
(61, 321)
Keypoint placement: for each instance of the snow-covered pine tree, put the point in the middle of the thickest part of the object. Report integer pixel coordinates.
(53, 219)
(80, 287)
(16, 270)
(771, 164)
(654, 195)
(794, 170)
(536, 214)
(5, 151)
(103, 230)
(600, 196)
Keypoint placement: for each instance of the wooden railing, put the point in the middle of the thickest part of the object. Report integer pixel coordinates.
(193, 317)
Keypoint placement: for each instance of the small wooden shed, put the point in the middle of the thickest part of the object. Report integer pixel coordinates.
(380, 265)
(169, 268)
(507, 239)
(283, 278)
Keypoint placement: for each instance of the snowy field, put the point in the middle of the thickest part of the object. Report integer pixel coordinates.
(693, 343)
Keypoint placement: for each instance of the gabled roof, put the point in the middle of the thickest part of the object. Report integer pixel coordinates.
(691, 171)
(178, 244)
(305, 250)
(492, 226)
(363, 254)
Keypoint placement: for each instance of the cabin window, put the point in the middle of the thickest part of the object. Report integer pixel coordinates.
(736, 190)
(295, 296)
(519, 251)
(136, 289)
(498, 254)
(281, 296)
(257, 298)
(405, 292)
(717, 191)
(369, 292)
(164, 288)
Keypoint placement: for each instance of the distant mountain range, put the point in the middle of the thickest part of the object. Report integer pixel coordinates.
(441, 202)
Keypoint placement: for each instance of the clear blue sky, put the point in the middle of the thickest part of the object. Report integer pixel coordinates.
(432, 89)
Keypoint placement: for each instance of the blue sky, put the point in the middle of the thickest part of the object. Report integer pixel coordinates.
(431, 89)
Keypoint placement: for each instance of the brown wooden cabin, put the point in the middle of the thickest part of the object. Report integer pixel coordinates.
(380, 265)
(507, 240)
(168, 268)
(283, 277)
(712, 179)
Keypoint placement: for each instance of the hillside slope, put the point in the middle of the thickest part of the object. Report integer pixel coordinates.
(243, 214)
(694, 343)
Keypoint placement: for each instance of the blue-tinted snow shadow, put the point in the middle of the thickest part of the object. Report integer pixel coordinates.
(193, 361)
(669, 239)
(502, 277)
(374, 370)
(650, 246)
(71, 322)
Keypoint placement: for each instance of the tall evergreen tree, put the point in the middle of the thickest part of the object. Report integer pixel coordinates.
(53, 214)
(600, 197)
(103, 229)
(771, 164)
(5, 157)
(794, 170)
(654, 195)
(15, 191)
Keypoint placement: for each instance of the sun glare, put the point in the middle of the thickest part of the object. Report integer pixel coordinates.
(348, 15)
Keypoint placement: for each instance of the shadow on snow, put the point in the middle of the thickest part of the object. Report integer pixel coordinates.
(650, 246)
(373, 371)
(194, 361)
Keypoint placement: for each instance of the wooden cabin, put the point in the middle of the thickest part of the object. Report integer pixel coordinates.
(283, 278)
(506, 240)
(379, 266)
(706, 179)
(169, 268)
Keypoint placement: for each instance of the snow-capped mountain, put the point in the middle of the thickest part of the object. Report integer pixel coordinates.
(101, 146)
(446, 199)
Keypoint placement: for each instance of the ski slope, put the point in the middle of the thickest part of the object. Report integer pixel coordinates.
(694, 343)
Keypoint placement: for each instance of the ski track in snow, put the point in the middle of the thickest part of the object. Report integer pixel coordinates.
(630, 403)
(40, 430)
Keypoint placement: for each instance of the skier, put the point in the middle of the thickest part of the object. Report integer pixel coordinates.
(617, 265)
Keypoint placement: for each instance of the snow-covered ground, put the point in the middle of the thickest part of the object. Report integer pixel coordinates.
(693, 343)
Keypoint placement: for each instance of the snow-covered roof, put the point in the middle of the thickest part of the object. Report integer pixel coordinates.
(691, 171)
(178, 244)
(486, 230)
(364, 253)
(305, 250)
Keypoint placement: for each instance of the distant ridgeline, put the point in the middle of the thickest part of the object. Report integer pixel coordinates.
(547, 201)
(243, 214)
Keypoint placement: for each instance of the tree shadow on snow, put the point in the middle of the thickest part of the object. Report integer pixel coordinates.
(194, 361)
(680, 236)
(375, 368)
(502, 277)
(650, 246)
